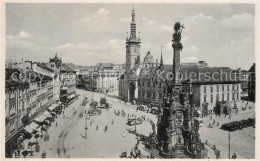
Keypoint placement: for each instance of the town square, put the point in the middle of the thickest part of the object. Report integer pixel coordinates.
(130, 81)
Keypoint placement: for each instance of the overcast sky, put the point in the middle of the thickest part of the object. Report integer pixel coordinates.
(86, 34)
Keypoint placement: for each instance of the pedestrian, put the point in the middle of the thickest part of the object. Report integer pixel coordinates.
(105, 128)
(44, 154)
(112, 122)
(236, 110)
(97, 127)
(56, 124)
(234, 156)
(214, 122)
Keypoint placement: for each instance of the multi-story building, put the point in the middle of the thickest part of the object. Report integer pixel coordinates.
(251, 83)
(107, 80)
(56, 82)
(16, 93)
(209, 88)
(27, 95)
(68, 83)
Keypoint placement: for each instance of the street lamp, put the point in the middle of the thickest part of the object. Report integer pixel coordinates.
(125, 136)
(135, 123)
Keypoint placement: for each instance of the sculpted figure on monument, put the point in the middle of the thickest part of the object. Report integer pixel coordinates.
(177, 35)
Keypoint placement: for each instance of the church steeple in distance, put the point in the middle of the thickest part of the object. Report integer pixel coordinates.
(161, 61)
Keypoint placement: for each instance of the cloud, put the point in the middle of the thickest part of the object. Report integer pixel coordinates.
(126, 19)
(166, 27)
(198, 18)
(65, 46)
(20, 36)
(189, 59)
(244, 20)
(86, 19)
(168, 46)
(21, 40)
(194, 48)
(103, 12)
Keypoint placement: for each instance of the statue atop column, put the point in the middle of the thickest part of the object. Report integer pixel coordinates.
(177, 36)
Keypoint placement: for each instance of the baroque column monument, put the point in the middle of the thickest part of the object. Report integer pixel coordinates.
(177, 131)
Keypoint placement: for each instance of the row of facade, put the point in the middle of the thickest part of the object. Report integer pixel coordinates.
(102, 78)
(30, 88)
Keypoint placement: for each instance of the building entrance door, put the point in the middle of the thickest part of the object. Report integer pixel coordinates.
(204, 109)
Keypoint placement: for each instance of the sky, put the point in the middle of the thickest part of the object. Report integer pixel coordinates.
(223, 35)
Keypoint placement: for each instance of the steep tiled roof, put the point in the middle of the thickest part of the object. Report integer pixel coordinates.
(65, 68)
(44, 66)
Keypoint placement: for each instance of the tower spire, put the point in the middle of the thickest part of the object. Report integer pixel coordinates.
(133, 26)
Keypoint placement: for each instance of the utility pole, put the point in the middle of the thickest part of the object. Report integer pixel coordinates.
(229, 144)
(86, 127)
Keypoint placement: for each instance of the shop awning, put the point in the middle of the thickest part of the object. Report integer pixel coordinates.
(28, 129)
(34, 126)
(46, 113)
(41, 118)
(53, 106)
